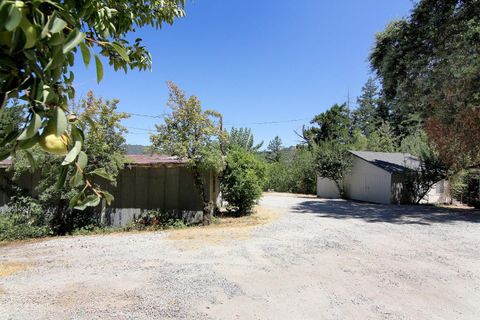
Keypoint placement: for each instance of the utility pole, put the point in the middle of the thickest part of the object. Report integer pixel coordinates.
(348, 98)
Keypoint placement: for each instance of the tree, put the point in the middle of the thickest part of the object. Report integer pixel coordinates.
(359, 141)
(415, 144)
(333, 162)
(39, 40)
(302, 173)
(428, 67)
(420, 180)
(333, 124)
(382, 139)
(242, 180)
(243, 138)
(104, 141)
(190, 133)
(365, 117)
(10, 119)
(274, 150)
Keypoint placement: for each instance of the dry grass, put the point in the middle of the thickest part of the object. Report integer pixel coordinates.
(9, 268)
(227, 229)
(13, 243)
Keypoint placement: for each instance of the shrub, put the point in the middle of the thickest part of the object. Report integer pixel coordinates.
(296, 172)
(154, 219)
(23, 218)
(242, 180)
(10, 229)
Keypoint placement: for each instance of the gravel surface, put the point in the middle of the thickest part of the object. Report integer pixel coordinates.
(321, 259)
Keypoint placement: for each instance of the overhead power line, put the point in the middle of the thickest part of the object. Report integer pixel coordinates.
(266, 122)
(150, 130)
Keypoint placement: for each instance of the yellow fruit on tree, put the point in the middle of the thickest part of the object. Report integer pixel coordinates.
(51, 143)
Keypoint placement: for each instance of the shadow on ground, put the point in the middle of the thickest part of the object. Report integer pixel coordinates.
(400, 214)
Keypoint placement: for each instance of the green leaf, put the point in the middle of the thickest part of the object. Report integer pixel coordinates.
(99, 66)
(61, 179)
(89, 201)
(108, 197)
(54, 25)
(73, 39)
(29, 143)
(77, 179)
(101, 172)
(60, 121)
(82, 160)
(32, 128)
(121, 51)
(12, 17)
(75, 199)
(77, 146)
(85, 53)
(5, 154)
(31, 160)
(19, 40)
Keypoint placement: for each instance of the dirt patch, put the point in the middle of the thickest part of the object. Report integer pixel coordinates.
(13, 243)
(2, 290)
(227, 229)
(10, 268)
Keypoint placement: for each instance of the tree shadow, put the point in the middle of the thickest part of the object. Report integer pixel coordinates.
(398, 214)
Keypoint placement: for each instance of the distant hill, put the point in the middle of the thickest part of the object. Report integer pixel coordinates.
(135, 149)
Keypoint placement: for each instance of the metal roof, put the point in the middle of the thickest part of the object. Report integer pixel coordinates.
(133, 160)
(392, 162)
(155, 159)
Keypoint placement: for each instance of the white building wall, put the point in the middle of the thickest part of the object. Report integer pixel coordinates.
(364, 182)
(367, 182)
(438, 193)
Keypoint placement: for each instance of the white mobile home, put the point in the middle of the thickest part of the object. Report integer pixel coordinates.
(377, 177)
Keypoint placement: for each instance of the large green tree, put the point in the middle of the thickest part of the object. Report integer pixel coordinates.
(243, 138)
(39, 40)
(428, 65)
(333, 124)
(191, 133)
(365, 117)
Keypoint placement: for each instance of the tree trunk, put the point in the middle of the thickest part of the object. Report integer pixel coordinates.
(207, 207)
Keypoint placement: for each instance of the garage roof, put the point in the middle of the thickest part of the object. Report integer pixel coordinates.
(393, 162)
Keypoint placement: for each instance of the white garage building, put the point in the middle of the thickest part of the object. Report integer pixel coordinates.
(377, 177)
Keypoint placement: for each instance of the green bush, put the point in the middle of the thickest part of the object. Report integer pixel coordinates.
(465, 187)
(154, 219)
(242, 180)
(294, 173)
(23, 218)
(10, 229)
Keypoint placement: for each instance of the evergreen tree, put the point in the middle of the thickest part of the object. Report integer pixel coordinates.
(383, 139)
(274, 150)
(365, 117)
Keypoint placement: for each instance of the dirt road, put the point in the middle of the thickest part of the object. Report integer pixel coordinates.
(315, 260)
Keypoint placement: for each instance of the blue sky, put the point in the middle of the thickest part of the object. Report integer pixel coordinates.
(255, 61)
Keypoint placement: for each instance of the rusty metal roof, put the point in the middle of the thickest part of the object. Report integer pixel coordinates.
(155, 159)
(133, 160)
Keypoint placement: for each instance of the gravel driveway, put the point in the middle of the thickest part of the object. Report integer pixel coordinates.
(321, 259)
